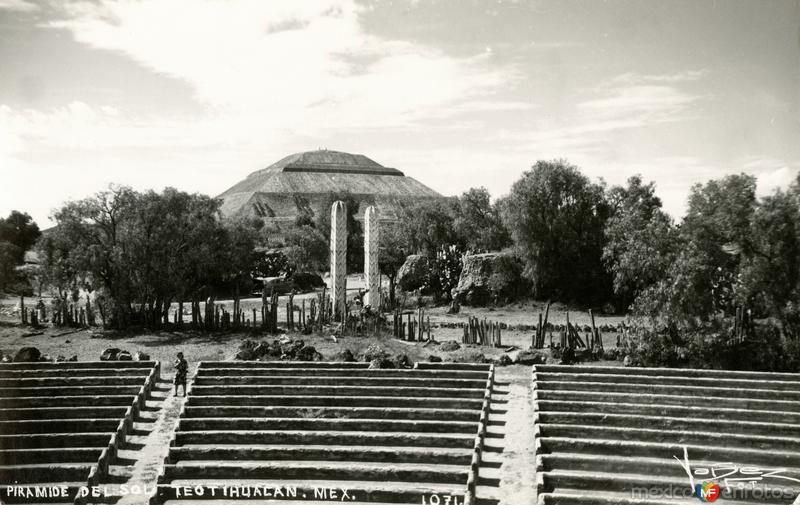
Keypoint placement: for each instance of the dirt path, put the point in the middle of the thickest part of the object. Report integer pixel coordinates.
(507, 474)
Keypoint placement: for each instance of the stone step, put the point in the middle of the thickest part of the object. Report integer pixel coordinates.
(44, 472)
(54, 440)
(732, 414)
(665, 467)
(37, 382)
(765, 442)
(425, 392)
(75, 372)
(50, 492)
(669, 423)
(322, 453)
(40, 456)
(333, 412)
(58, 426)
(611, 447)
(308, 490)
(68, 391)
(453, 366)
(333, 381)
(283, 364)
(67, 401)
(342, 372)
(293, 424)
(712, 398)
(656, 389)
(46, 365)
(195, 399)
(674, 372)
(669, 380)
(319, 470)
(635, 484)
(300, 438)
(116, 412)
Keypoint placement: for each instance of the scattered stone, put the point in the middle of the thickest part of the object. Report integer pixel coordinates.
(381, 363)
(628, 361)
(110, 354)
(403, 361)
(27, 355)
(74, 357)
(60, 359)
(344, 355)
(504, 360)
(450, 345)
(529, 358)
(434, 359)
(124, 356)
(141, 356)
(45, 357)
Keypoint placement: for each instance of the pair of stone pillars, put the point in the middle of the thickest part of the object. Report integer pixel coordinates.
(339, 258)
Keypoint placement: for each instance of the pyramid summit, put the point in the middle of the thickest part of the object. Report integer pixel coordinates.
(301, 182)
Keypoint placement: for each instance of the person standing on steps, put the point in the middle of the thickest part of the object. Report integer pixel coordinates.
(181, 369)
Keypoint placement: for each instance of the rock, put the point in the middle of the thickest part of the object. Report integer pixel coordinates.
(74, 357)
(45, 357)
(414, 272)
(261, 350)
(27, 354)
(628, 361)
(504, 360)
(60, 358)
(450, 345)
(110, 354)
(434, 359)
(403, 361)
(308, 353)
(486, 274)
(454, 308)
(529, 358)
(141, 356)
(245, 355)
(381, 363)
(345, 355)
(124, 356)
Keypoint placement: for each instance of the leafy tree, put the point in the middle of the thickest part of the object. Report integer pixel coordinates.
(556, 218)
(477, 222)
(429, 225)
(20, 230)
(393, 252)
(641, 243)
(307, 249)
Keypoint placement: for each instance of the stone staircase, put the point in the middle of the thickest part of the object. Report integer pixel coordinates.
(62, 425)
(329, 431)
(607, 435)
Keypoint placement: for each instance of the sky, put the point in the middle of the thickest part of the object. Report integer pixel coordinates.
(196, 94)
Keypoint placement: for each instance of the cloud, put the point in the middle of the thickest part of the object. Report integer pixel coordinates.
(771, 173)
(291, 64)
(18, 6)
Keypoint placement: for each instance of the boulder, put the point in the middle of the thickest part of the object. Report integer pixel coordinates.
(141, 356)
(414, 272)
(450, 345)
(124, 356)
(380, 363)
(504, 360)
(529, 358)
(403, 361)
(434, 359)
(27, 354)
(486, 274)
(345, 355)
(110, 354)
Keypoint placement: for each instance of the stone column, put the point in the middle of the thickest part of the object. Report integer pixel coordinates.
(372, 273)
(338, 258)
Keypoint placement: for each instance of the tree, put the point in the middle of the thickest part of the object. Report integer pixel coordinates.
(642, 241)
(307, 249)
(429, 225)
(556, 218)
(392, 254)
(20, 230)
(477, 222)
